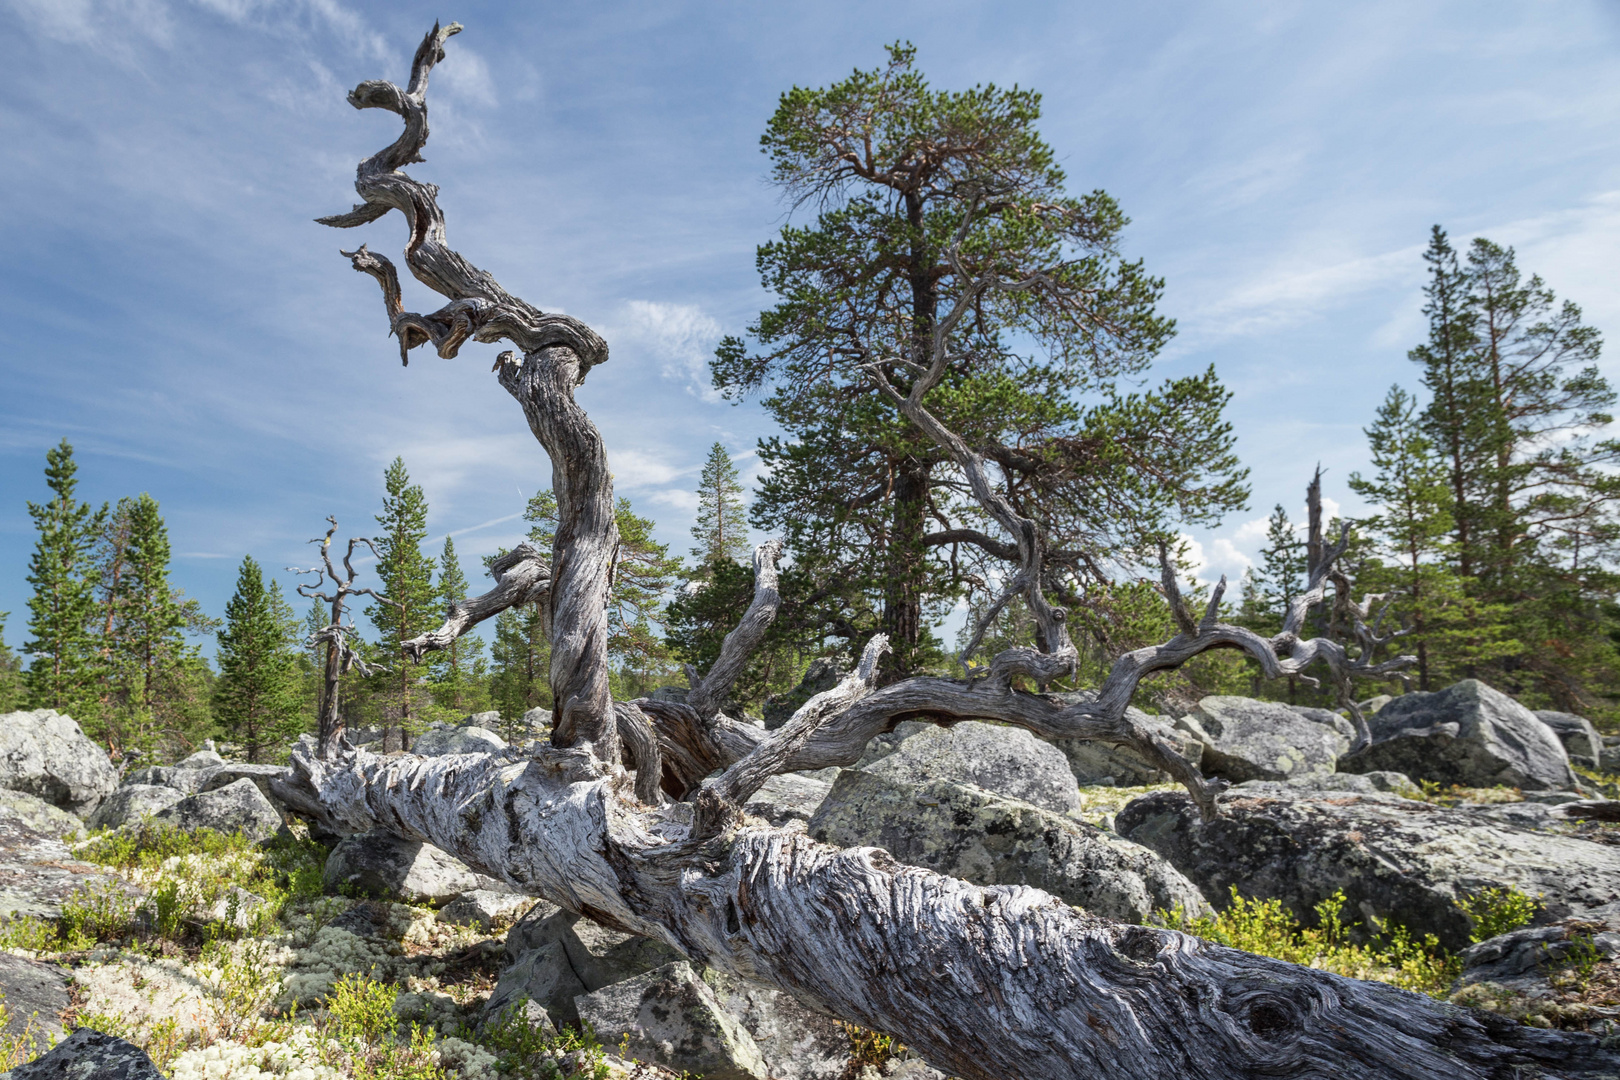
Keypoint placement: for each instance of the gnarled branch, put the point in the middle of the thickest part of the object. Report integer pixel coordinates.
(522, 576)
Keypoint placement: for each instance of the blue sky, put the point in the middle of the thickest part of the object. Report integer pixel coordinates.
(169, 306)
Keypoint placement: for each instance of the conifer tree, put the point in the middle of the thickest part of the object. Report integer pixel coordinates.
(722, 526)
(459, 685)
(257, 698)
(520, 664)
(407, 578)
(11, 677)
(61, 669)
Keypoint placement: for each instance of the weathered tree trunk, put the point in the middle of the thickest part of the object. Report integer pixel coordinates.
(990, 983)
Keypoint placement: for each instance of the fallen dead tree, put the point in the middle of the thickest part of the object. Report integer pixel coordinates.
(632, 816)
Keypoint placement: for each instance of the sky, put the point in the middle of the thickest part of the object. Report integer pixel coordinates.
(169, 306)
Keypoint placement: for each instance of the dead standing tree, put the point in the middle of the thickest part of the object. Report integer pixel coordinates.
(341, 655)
(990, 983)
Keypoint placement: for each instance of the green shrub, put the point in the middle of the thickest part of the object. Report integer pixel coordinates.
(1499, 911)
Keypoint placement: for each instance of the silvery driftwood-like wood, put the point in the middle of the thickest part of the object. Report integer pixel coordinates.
(989, 983)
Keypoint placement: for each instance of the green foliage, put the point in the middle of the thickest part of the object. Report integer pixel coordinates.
(1264, 927)
(1498, 911)
(899, 173)
(12, 689)
(525, 1050)
(61, 673)
(700, 616)
(463, 683)
(256, 700)
(361, 1009)
(412, 607)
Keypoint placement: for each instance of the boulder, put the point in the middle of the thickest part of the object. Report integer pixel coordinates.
(1397, 860)
(90, 1055)
(537, 721)
(440, 739)
(822, 675)
(47, 754)
(1095, 762)
(130, 804)
(1244, 739)
(185, 781)
(1521, 959)
(1361, 783)
(40, 815)
(591, 953)
(37, 872)
(672, 1018)
(36, 995)
(388, 867)
(238, 807)
(789, 797)
(992, 840)
(1466, 734)
(489, 720)
(795, 1043)
(486, 909)
(202, 759)
(542, 976)
(1006, 760)
(1581, 740)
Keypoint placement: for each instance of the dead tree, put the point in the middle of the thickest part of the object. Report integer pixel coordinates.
(338, 636)
(1002, 983)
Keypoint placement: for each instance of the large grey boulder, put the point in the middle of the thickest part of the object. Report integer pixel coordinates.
(987, 839)
(1095, 762)
(37, 872)
(486, 909)
(40, 815)
(36, 995)
(440, 739)
(594, 954)
(47, 754)
(388, 867)
(1244, 739)
(795, 1043)
(789, 797)
(1521, 960)
(672, 1018)
(203, 759)
(130, 804)
(542, 976)
(1397, 860)
(238, 807)
(1006, 760)
(1466, 734)
(185, 781)
(1581, 740)
(231, 772)
(89, 1055)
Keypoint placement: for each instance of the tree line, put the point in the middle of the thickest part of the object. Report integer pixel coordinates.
(1493, 491)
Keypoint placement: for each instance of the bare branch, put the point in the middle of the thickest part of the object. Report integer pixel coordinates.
(522, 576)
(709, 693)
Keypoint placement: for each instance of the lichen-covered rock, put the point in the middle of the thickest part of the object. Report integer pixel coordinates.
(388, 867)
(36, 995)
(1466, 734)
(90, 1055)
(596, 955)
(1006, 760)
(1098, 763)
(795, 1043)
(131, 803)
(47, 754)
(991, 840)
(537, 721)
(486, 909)
(441, 739)
(1396, 859)
(1360, 783)
(238, 807)
(1244, 739)
(202, 759)
(789, 797)
(1522, 959)
(38, 872)
(40, 815)
(185, 781)
(1581, 740)
(231, 772)
(671, 1017)
(542, 975)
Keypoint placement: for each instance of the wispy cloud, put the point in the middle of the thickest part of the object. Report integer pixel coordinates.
(681, 336)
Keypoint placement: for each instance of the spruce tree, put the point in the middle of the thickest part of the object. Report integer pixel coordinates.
(61, 671)
(520, 663)
(459, 681)
(722, 527)
(407, 579)
(257, 697)
(12, 690)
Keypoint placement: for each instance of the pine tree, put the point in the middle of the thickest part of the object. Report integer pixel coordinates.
(520, 663)
(257, 699)
(11, 677)
(460, 686)
(722, 527)
(407, 579)
(61, 670)
(155, 684)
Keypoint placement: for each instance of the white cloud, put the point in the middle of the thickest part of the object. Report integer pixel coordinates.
(1294, 291)
(676, 499)
(681, 336)
(468, 79)
(108, 27)
(638, 469)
